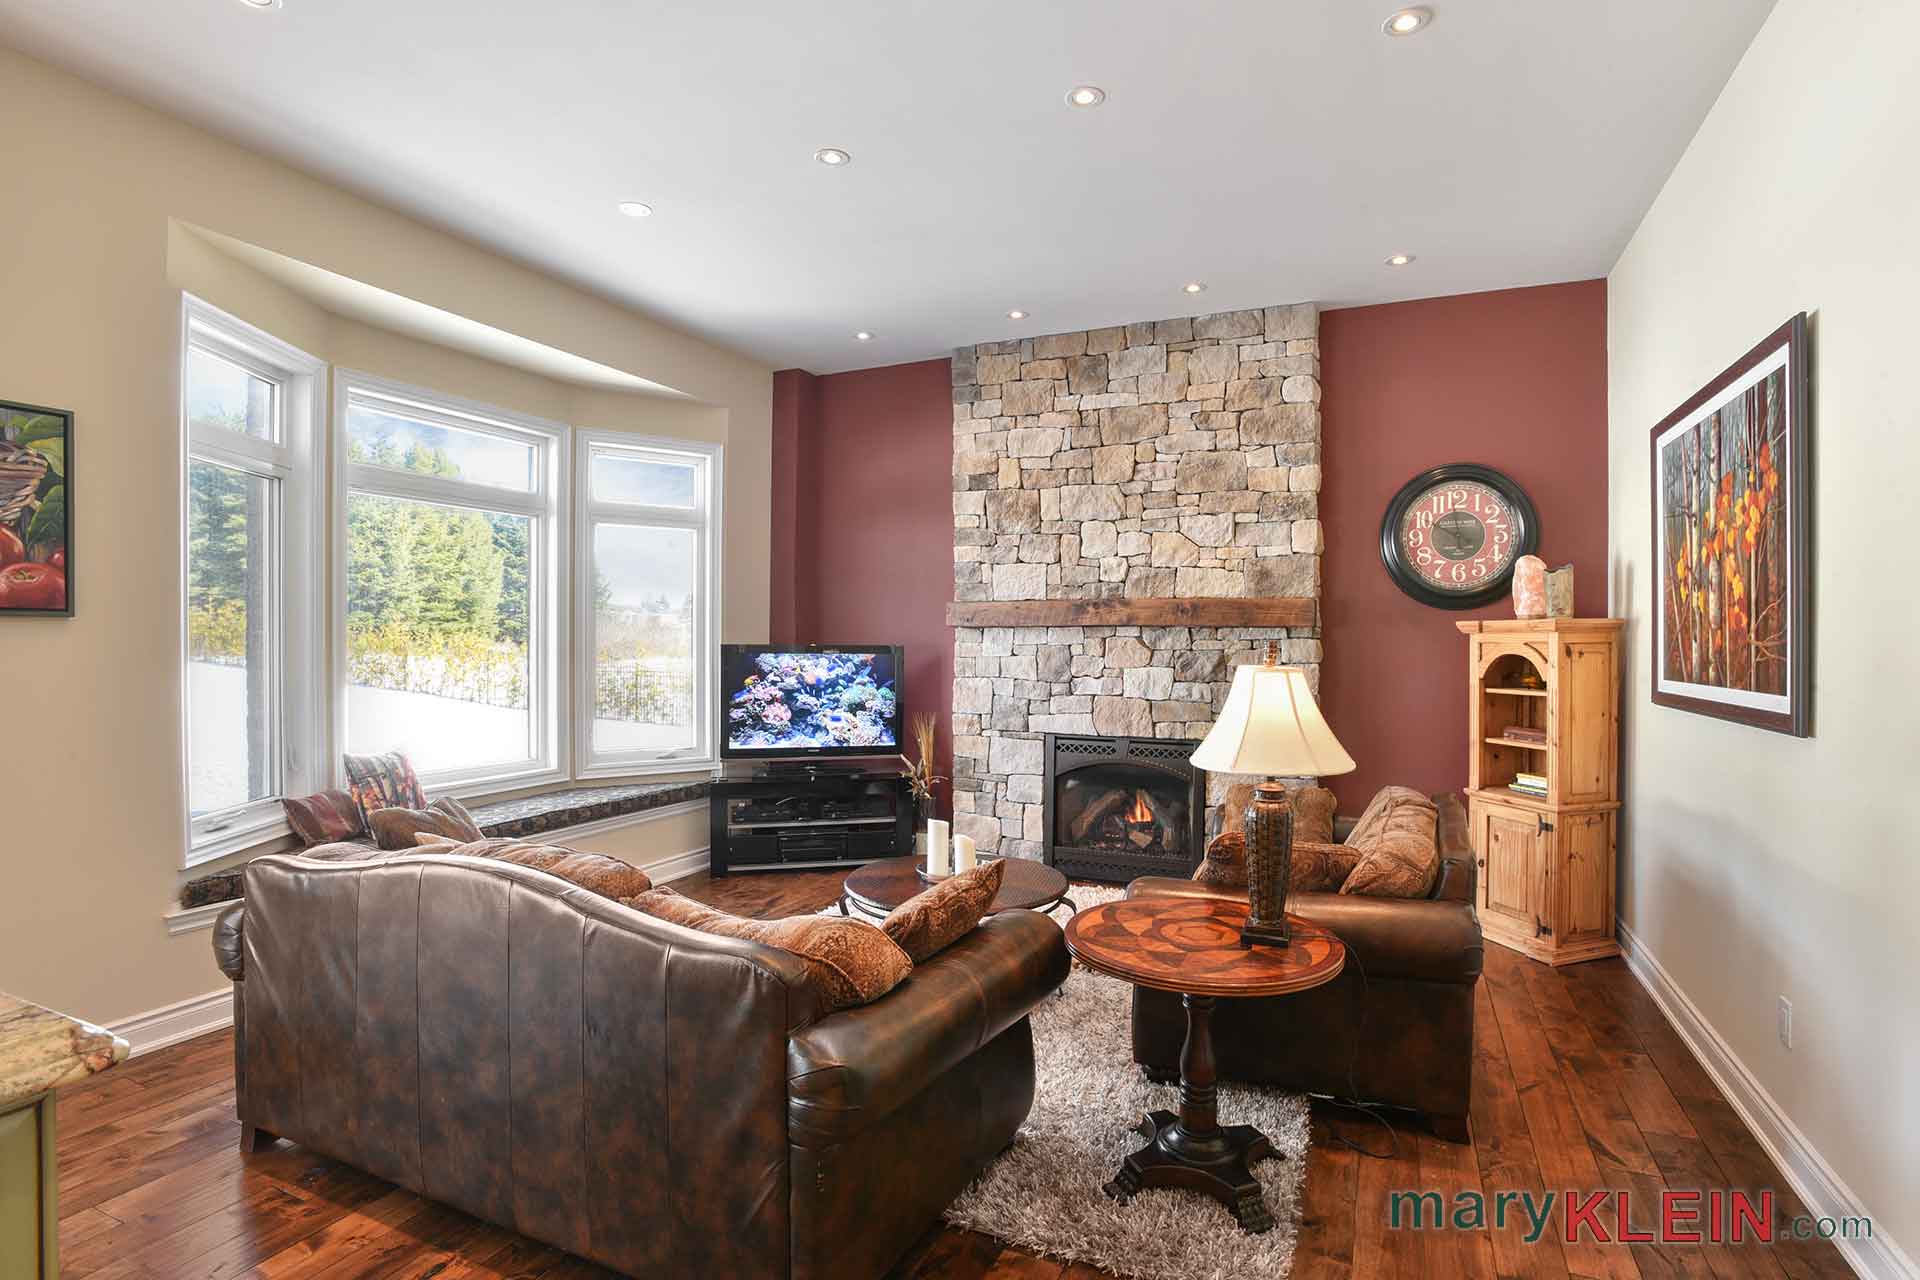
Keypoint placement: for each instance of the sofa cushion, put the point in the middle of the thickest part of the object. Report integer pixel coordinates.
(594, 872)
(929, 922)
(1225, 866)
(850, 962)
(1312, 811)
(324, 817)
(1399, 852)
(384, 781)
(397, 828)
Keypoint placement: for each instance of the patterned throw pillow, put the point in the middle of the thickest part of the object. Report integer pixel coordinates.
(384, 781)
(596, 873)
(930, 922)
(1312, 811)
(850, 962)
(1317, 867)
(396, 828)
(1399, 852)
(1225, 866)
(326, 817)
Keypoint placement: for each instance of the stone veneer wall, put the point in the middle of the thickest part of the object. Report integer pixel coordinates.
(1178, 458)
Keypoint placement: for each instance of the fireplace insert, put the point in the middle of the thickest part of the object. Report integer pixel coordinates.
(1117, 808)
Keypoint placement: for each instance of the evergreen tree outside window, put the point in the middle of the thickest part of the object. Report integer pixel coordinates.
(450, 611)
(249, 417)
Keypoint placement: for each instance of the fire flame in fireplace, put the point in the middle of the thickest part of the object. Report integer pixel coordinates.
(1142, 812)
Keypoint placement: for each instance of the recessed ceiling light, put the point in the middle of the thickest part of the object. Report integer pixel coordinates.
(1408, 21)
(1399, 259)
(1016, 314)
(1086, 95)
(634, 209)
(863, 336)
(261, 4)
(1194, 286)
(833, 156)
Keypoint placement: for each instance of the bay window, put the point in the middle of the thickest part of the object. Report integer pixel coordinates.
(250, 415)
(647, 565)
(451, 604)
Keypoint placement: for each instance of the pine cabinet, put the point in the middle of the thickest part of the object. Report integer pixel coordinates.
(1544, 701)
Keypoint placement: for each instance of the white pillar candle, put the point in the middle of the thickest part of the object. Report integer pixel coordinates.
(937, 853)
(963, 853)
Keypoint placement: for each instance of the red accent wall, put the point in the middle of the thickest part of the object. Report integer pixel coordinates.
(863, 480)
(1515, 379)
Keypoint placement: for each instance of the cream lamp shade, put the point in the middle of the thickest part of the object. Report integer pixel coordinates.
(1271, 725)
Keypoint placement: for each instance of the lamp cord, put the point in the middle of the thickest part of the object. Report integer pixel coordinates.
(1371, 1110)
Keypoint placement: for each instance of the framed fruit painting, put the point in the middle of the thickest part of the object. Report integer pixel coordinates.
(1732, 528)
(1450, 537)
(36, 511)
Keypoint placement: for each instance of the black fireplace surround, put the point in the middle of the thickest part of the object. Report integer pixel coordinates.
(1117, 808)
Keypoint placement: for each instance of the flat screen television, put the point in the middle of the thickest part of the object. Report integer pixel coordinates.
(781, 701)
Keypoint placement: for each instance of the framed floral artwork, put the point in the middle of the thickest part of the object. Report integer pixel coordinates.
(36, 511)
(1732, 611)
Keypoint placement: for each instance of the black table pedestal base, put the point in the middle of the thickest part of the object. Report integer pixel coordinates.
(1219, 1164)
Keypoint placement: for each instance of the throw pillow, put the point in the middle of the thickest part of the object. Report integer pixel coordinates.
(326, 817)
(930, 922)
(1376, 813)
(1225, 866)
(849, 962)
(1399, 857)
(384, 781)
(1312, 811)
(397, 828)
(1317, 867)
(594, 872)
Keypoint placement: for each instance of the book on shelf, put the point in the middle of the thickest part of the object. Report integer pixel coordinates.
(1531, 779)
(1523, 733)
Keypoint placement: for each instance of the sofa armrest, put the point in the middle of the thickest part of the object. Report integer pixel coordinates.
(1175, 887)
(1419, 938)
(230, 941)
(851, 1068)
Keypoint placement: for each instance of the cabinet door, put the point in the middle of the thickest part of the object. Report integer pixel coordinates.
(1583, 898)
(1510, 843)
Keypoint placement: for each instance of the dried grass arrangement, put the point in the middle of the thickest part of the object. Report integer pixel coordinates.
(920, 776)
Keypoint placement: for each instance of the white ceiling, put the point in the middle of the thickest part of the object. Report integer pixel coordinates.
(1277, 149)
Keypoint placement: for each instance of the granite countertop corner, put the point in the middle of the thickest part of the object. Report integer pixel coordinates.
(41, 1050)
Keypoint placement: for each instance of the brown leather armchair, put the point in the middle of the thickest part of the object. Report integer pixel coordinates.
(664, 1102)
(1396, 1027)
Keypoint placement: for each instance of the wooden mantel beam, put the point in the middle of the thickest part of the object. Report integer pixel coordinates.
(1197, 611)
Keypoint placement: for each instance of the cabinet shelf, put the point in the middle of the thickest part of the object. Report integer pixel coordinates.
(1517, 742)
(1514, 693)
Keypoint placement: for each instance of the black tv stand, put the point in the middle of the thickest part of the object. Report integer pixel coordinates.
(808, 815)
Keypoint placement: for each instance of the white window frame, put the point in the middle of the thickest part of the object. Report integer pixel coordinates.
(548, 579)
(293, 463)
(704, 519)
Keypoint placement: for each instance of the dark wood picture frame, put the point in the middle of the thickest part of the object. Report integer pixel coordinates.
(1791, 712)
(1409, 579)
(22, 427)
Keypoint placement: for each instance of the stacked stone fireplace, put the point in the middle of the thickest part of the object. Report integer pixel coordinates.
(1125, 468)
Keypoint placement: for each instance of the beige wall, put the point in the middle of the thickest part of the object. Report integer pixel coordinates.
(1757, 865)
(92, 263)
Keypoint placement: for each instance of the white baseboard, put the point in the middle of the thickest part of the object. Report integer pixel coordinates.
(1825, 1193)
(171, 1024)
(679, 866)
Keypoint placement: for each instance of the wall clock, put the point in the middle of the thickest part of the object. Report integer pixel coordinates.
(1450, 536)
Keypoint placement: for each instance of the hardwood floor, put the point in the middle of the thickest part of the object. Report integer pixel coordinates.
(1578, 1083)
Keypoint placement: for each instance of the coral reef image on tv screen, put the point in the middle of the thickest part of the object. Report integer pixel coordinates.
(811, 701)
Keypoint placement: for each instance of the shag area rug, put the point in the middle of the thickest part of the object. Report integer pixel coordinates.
(1043, 1193)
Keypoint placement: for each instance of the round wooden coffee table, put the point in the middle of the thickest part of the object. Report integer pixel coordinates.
(879, 887)
(1191, 946)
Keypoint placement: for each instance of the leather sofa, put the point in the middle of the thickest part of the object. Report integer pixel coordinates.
(661, 1101)
(1395, 1028)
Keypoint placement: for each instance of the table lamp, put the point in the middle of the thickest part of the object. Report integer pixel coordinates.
(1270, 725)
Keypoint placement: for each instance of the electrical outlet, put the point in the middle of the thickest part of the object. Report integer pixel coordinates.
(1786, 1023)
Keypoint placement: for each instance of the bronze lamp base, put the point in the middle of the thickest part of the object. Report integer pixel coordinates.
(1269, 823)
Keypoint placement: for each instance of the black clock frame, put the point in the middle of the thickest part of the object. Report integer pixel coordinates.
(1407, 577)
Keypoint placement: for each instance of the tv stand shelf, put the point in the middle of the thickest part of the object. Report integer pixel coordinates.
(794, 819)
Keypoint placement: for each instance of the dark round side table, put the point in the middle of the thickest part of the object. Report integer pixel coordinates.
(1191, 946)
(879, 887)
